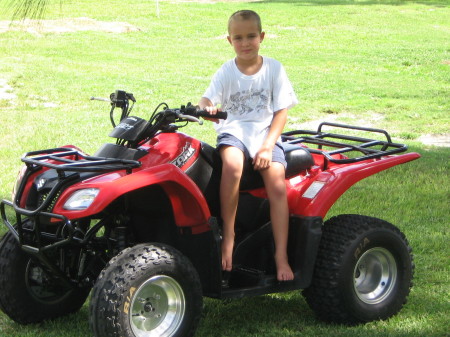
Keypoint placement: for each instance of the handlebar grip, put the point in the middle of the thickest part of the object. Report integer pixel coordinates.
(218, 115)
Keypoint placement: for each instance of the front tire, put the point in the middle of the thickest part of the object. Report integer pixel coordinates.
(363, 271)
(29, 293)
(147, 290)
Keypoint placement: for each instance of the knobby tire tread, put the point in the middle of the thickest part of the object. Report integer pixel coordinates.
(15, 300)
(324, 295)
(114, 282)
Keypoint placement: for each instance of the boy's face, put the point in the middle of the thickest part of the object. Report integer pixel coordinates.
(245, 38)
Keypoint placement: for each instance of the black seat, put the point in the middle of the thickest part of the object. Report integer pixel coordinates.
(297, 158)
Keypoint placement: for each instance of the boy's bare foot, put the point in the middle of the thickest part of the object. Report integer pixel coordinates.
(284, 271)
(227, 254)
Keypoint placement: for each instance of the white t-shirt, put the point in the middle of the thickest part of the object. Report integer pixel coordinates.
(250, 101)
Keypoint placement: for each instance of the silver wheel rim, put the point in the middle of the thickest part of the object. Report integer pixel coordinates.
(375, 274)
(157, 307)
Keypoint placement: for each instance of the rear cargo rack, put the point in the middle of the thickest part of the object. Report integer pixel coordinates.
(340, 144)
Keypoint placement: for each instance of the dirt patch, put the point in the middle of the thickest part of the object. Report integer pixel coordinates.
(207, 1)
(430, 140)
(6, 91)
(436, 140)
(60, 26)
(334, 118)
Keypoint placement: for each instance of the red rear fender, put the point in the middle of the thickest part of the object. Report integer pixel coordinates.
(317, 197)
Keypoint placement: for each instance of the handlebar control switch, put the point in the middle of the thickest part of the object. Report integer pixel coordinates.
(119, 98)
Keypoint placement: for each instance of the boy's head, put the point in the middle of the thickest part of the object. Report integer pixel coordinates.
(245, 15)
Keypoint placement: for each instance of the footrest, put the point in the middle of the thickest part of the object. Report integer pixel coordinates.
(243, 277)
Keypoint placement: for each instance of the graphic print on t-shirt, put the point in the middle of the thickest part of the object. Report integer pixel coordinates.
(249, 101)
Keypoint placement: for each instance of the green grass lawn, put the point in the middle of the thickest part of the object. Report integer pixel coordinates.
(380, 63)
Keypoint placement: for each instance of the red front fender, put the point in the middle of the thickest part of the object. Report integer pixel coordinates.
(189, 206)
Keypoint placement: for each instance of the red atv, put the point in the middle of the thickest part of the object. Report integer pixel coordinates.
(139, 224)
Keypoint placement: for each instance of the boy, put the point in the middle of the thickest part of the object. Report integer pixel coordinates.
(257, 94)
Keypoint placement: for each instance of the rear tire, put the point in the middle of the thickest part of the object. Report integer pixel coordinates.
(363, 271)
(28, 292)
(146, 290)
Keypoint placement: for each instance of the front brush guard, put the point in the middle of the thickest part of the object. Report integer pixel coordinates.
(60, 160)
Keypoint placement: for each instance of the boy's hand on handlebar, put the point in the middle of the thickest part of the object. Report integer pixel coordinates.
(212, 110)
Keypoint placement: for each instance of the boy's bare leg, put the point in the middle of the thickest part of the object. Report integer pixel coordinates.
(232, 165)
(279, 215)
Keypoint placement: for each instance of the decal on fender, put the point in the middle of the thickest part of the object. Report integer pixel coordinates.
(188, 152)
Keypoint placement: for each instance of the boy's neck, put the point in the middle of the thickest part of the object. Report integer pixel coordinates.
(249, 67)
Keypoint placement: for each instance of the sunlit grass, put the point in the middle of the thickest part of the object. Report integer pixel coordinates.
(380, 62)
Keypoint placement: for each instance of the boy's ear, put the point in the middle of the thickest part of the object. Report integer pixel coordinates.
(262, 35)
(229, 39)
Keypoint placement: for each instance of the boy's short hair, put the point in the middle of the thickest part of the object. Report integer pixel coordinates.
(245, 14)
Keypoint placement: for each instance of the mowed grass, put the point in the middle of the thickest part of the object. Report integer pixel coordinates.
(384, 64)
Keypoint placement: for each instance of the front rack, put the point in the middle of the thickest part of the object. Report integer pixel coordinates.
(67, 162)
(344, 144)
(81, 163)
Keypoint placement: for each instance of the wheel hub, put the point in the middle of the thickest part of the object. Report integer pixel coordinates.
(375, 274)
(157, 307)
(42, 287)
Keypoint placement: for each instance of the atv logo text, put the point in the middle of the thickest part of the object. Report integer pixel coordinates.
(125, 126)
(188, 152)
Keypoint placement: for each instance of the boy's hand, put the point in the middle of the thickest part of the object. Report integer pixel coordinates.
(212, 111)
(262, 159)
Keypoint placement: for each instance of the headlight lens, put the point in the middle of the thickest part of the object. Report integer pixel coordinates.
(81, 199)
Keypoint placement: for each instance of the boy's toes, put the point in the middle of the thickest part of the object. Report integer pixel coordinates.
(227, 265)
(285, 275)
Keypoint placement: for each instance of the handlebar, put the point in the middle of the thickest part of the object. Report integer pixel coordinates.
(218, 115)
(197, 112)
(160, 120)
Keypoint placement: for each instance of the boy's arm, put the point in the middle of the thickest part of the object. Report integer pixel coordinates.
(204, 102)
(263, 157)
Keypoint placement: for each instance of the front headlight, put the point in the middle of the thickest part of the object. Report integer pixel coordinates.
(81, 199)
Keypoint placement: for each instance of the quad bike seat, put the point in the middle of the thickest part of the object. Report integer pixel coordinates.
(298, 159)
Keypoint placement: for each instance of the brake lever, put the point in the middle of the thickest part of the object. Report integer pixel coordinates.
(100, 99)
(191, 118)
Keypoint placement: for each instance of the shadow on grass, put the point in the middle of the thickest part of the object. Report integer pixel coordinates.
(74, 325)
(288, 314)
(280, 315)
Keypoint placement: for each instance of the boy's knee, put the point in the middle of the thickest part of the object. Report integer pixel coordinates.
(278, 191)
(232, 169)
